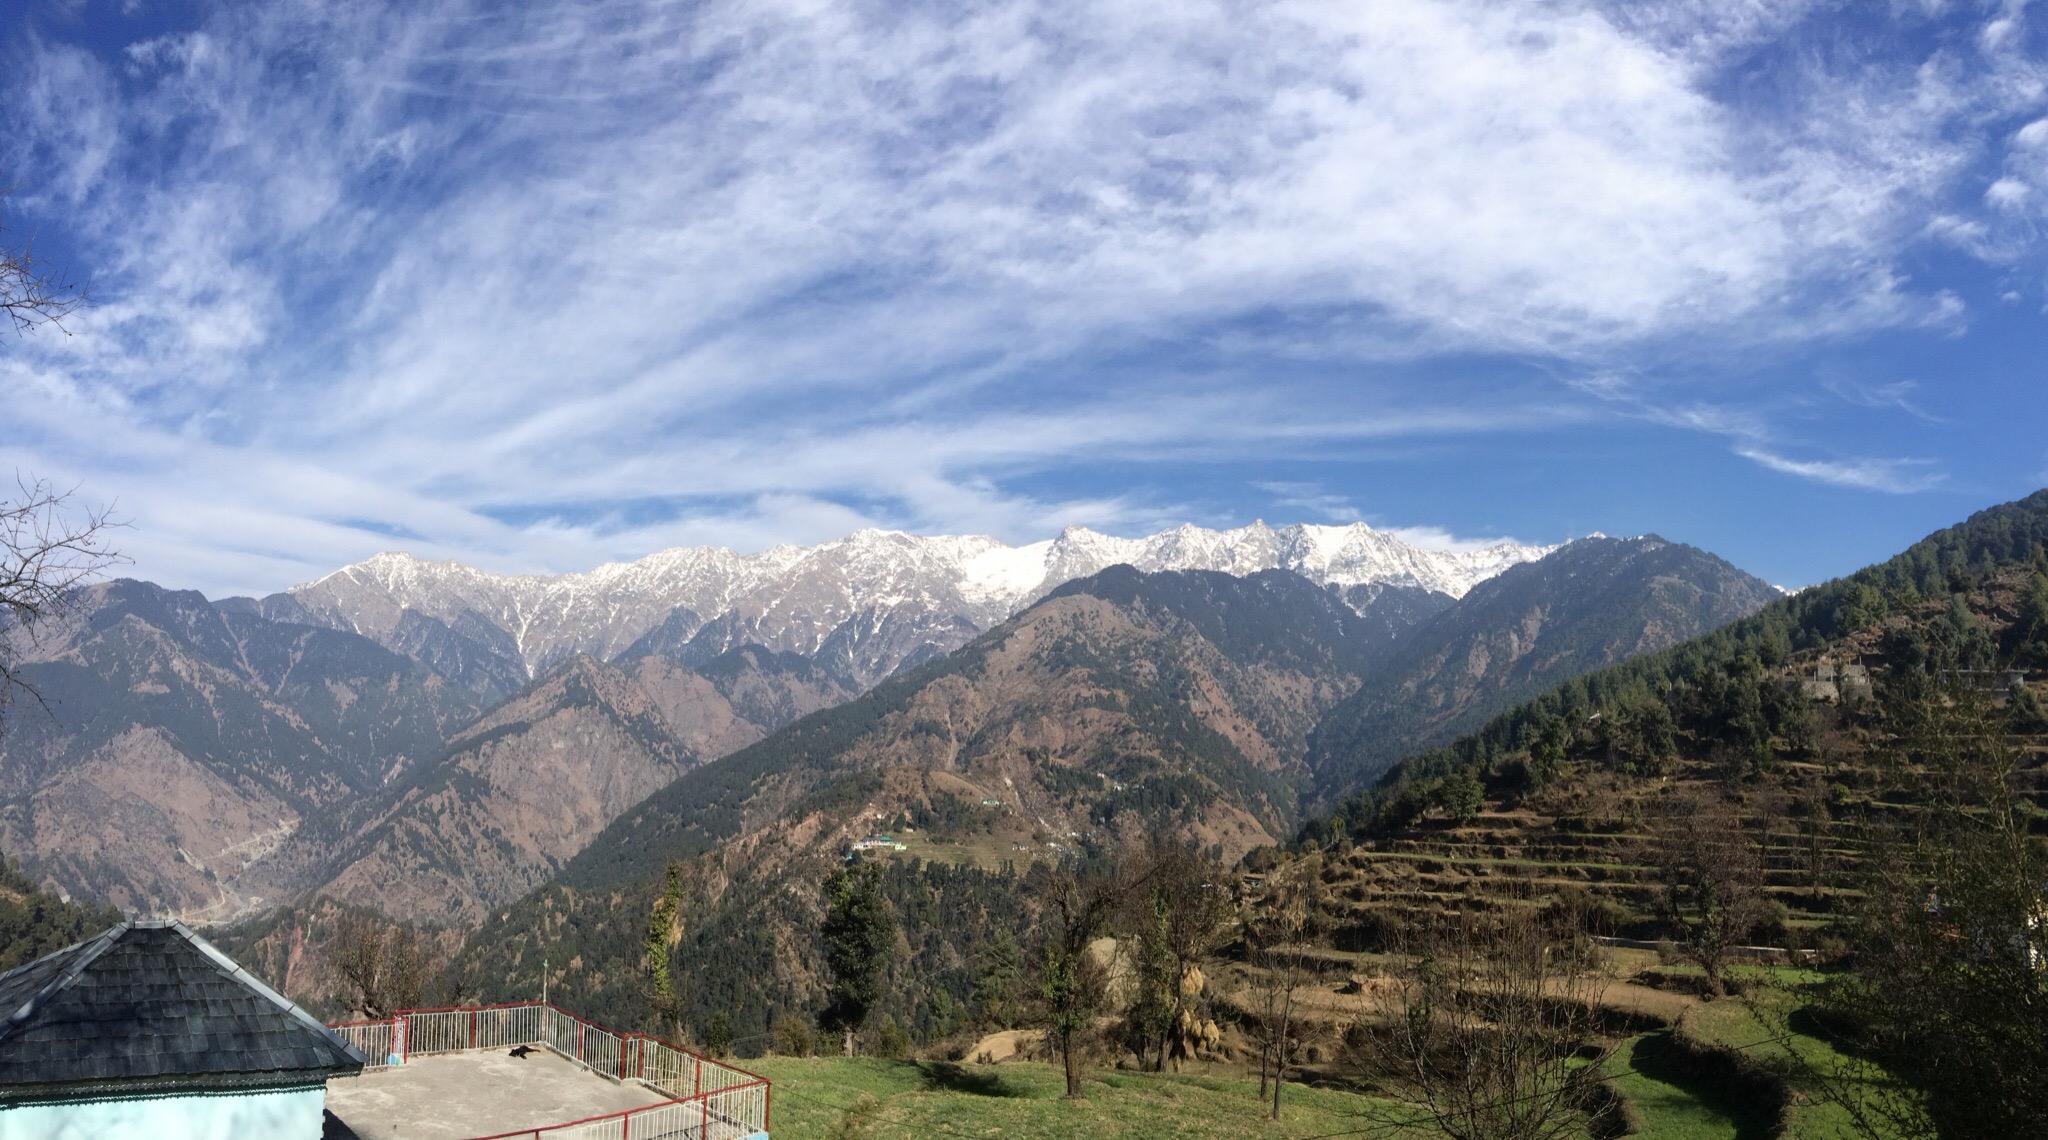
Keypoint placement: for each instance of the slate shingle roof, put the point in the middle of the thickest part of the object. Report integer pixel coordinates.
(152, 1003)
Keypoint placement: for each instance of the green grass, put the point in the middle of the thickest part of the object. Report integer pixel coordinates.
(1672, 1107)
(987, 852)
(1768, 1013)
(1024, 1101)
(1779, 976)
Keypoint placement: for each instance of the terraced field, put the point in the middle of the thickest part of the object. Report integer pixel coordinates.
(1597, 838)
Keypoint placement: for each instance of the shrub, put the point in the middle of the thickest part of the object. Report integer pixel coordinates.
(890, 1041)
(794, 1038)
(718, 1036)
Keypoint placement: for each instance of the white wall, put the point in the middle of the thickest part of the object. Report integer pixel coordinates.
(290, 1115)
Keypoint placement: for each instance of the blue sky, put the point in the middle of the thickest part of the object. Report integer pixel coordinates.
(537, 289)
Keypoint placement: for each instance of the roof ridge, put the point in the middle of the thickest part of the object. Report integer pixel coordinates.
(236, 972)
(87, 954)
(153, 1001)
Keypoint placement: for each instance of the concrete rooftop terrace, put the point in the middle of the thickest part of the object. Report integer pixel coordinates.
(458, 1095)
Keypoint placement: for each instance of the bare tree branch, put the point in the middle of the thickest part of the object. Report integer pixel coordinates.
(1712, 877)
(32, 294)
(1483, 1036)
(49, 548)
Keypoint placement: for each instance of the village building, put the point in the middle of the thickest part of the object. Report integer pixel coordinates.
(1849, 682)
(146, 1031)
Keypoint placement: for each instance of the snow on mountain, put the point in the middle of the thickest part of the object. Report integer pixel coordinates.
(877, 599)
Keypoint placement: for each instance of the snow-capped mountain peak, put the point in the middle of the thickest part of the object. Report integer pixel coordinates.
(881, 596)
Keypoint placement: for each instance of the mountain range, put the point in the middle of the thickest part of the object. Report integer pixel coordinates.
(863, 606)
(436, 741)
(1119, 705)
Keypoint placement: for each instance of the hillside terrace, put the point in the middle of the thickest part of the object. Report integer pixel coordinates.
(451, 1074)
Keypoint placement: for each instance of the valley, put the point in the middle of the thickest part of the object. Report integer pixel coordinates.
(701, 571)
(399, 691)
(1548, 745)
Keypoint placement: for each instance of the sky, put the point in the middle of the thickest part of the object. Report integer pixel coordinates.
(537, 287)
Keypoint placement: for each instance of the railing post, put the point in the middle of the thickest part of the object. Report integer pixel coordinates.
(472, 1029)
(697, 1078)
(704, 1117)
(579, 1040)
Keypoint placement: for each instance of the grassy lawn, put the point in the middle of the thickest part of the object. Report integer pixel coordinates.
(1795, 1060)
(1780, 976)
(1672, 1107)
(987, 852)
(1023, 1101)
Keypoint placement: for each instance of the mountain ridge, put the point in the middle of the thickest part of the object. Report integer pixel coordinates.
(1590, 604)
(868, 604)
(1127, 703)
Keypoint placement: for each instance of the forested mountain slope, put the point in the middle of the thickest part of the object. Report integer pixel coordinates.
(1129, 702)
(34, 922)
(1823, 714)
(1591, 603)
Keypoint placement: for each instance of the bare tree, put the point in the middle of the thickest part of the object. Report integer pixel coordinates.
(381, 963)
(32, 294)
(1077, 903)
(1480, 1037)
(1180, 923)
(1275, 916)
(49, 547)
(1711, 875)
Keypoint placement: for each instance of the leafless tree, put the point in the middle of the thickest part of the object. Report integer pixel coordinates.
(32, 294)
(1189, 910)
(1076, 905)
(382, 965)
(1711, 882)
(1479, 1038)
(49, 547)
(1275, 915)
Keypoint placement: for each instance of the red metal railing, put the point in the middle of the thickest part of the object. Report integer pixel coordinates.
(709, 1099)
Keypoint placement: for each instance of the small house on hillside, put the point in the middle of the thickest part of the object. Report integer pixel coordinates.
(1849, 683)
(146, 1031)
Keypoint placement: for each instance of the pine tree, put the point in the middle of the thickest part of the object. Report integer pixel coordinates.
(662, 932)
(858, 937)
(2031, 629)
(998, 992)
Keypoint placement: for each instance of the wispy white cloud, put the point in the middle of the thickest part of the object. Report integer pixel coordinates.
(548, 284)
(1893, 395)
(1753, 433)
(1437, 538)
(1311, 498)
(1896, 476)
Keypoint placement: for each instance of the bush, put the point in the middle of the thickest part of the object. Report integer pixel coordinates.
(891, 1043)
(794, 1038)
(718, 1036)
